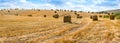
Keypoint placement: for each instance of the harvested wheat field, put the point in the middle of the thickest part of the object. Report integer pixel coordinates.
(33, 26)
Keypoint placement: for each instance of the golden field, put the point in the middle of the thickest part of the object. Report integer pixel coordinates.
(39, 29)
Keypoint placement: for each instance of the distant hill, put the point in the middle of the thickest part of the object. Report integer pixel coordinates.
(117, 13)
(113, 11)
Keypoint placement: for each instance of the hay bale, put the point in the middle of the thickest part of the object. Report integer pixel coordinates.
(112, 17)
(90, 17)
(67, 19)
(88, 12)
(95, 18)
(45, 15)
(38, 9)
(75, 13)
(78, 16)
(16, 8)
(80, 11)
(30, 15)
(51, 9)
(8, 11)
(92, 12)
(55, 11)
(71, 10)
(100, 15)
(112, 13)
(108, 13)
(65, 10)
(56, 16)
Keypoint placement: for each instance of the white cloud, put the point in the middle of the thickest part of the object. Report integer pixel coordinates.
(69, 4)
(98, 1)
(23, 1)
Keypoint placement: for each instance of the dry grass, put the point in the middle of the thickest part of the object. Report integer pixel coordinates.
(17, 27)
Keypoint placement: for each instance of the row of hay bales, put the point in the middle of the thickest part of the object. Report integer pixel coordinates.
(66, 18)
(95, 17)
(30, 12)
(65, 10)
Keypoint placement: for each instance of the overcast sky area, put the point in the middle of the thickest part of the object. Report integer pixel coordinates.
(81, 5)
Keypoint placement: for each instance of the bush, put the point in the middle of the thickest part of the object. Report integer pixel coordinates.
(106, 16)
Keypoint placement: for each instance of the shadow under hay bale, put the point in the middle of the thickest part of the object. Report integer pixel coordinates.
(16, 14)
(100, 15)
(56, 16)
(106, 16)
(45, 16)
(67, 19)
(95, 18)
(79, 17)
(112, 17)
(30, 15)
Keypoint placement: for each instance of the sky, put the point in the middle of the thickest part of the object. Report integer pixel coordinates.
(80, 5)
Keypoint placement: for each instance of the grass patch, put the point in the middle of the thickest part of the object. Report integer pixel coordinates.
(106, 16)
(117, 15)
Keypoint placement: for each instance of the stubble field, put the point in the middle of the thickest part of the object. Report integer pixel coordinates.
(40, 29)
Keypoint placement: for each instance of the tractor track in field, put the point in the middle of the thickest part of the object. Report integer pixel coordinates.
(62, 34)
(68, 32)
(32, 35)
(99, 27)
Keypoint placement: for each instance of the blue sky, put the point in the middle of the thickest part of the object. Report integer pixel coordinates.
(82, 5)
